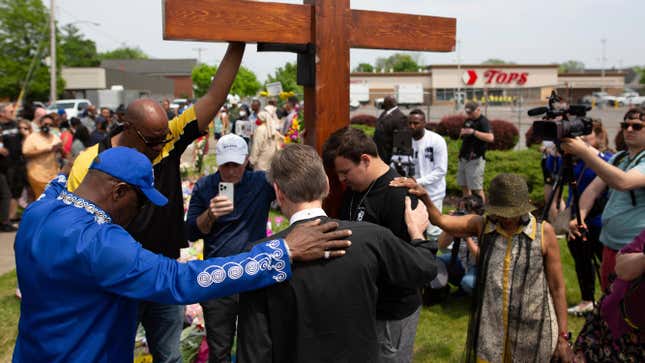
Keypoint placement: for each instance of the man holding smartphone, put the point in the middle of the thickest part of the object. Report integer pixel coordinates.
(228, 209)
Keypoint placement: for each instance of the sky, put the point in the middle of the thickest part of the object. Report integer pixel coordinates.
(520, 31)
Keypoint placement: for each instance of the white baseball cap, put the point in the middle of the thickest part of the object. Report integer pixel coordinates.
(231, 148)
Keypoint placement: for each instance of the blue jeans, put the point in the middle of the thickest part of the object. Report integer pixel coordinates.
(468, 280)
(163, 324)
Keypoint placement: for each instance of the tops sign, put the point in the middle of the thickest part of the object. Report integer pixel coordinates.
(496, 76)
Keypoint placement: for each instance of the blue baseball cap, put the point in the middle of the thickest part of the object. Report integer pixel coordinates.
(132, 167)
(61, 111)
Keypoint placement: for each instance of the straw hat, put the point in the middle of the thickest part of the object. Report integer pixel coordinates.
(508, 196)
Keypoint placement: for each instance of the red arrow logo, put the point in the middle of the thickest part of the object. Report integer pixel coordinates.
(469, 77)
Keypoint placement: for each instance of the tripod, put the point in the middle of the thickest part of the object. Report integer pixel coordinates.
(565, 177)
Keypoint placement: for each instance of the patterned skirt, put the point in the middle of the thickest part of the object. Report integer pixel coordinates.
(596, 343)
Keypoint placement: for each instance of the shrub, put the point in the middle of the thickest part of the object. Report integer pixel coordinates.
(368, 130)
(506, 135)
(451, 125)
(363, 119)
(432, 126)
(523, 162)
(531, 139)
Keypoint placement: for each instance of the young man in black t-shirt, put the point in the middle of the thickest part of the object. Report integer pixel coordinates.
(354, 157)
(475, 134)
(326, 312)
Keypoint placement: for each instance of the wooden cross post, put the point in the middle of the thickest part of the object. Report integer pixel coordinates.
(322, 32)
(330, 26)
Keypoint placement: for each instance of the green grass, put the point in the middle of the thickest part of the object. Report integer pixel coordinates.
(441, 333)
(9, 313)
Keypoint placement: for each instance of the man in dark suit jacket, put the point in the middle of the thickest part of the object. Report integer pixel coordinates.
(390, 120)
(327, 311)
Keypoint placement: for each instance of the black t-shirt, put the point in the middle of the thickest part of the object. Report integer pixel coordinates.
(471, 146)
(383, 205)
(12, 141)
(162, 229)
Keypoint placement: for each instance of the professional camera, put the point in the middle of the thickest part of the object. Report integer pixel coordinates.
(550, 129)
(402, 152)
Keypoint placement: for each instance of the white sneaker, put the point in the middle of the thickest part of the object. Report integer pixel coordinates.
(581, 309)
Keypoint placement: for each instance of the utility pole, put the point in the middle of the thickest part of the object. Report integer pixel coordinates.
(199, 51)
(52, 53)
(603, 59)
(458, 95)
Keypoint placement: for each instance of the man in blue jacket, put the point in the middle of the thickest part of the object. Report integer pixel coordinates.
(228, 227)
(81, 273)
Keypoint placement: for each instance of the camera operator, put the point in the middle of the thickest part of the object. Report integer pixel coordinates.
(476, 134)
(430, 158)
(582, 251)
(624, 175)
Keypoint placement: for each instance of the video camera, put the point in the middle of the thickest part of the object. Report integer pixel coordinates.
(550, 129)
(402, 152)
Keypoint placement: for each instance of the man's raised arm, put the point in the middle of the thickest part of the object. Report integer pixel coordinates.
(207, 106)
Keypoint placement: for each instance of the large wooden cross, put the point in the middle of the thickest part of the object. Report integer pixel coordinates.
(325, 30)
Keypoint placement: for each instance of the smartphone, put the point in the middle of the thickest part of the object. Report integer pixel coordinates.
(226, 189)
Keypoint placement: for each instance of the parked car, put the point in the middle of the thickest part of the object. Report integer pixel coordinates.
(177, 102)
(73, 107)
(631, 99)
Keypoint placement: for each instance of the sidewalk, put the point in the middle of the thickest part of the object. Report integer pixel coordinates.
(7, 260)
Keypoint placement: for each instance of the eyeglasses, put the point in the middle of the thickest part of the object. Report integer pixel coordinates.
(635, 126)
(153, 143)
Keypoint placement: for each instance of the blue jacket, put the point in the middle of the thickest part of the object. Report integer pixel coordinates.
(81, 276)
(553, 163)
(232, 233)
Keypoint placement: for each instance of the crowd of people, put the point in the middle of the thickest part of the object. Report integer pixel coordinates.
(336, 285)
(37, 144)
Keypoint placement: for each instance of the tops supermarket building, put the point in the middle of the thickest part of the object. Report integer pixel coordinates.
(508, 83)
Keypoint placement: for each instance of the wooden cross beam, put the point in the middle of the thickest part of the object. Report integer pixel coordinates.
(330, 25)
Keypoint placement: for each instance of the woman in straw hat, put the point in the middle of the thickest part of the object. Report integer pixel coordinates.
(519, 310)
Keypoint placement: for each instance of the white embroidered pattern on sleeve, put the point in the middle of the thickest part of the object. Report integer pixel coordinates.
(250, 266)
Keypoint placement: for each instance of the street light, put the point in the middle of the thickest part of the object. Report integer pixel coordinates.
(52, 49)
(84, 22)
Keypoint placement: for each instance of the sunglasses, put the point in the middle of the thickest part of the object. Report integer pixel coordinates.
(635, 126)
(153, 143)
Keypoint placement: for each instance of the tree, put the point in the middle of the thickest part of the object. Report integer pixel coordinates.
(202, 75)
(398, 62)
(364, 67)
(286, 75)
(245, 83)
(24, 35)
(571, 66)
(76, 50)
(496, 61)
(640, 72)
(124, 53)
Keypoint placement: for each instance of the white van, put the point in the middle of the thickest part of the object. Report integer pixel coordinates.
(72, 107)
